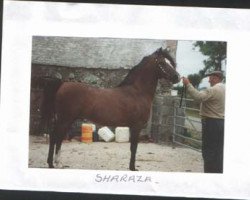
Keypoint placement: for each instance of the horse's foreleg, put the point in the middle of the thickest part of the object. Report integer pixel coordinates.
(134, 136)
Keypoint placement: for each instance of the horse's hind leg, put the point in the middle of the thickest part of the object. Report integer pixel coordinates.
(56, 139)
(52, 142)
(58, 151)
(61, 130)
(134, 136)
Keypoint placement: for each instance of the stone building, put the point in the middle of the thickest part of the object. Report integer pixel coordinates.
(93, 60)
(103, 62)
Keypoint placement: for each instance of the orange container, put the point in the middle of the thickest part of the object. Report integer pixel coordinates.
(87, 133)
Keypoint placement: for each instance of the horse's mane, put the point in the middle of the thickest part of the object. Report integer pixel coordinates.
(130, 76)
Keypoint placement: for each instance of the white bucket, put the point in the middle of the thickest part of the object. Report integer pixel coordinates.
(174, 92)
(106, 134)
(122, 134)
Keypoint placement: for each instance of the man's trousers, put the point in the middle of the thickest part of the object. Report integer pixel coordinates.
(212, 144)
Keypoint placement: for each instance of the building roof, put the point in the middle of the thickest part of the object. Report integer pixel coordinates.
(93, 52)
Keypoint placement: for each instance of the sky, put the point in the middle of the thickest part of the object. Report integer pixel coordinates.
(189, 60)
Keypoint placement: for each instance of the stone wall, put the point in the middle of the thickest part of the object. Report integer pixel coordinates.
(104, 78)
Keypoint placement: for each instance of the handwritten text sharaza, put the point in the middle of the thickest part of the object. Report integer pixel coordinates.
(100, 178)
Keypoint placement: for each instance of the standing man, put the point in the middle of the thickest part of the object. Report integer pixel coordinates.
(212, 109)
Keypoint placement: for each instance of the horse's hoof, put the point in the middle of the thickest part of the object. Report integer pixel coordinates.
(51, 166)
(59, 166)
(133, 169)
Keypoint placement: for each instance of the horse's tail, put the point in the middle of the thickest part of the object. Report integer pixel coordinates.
(50, 87)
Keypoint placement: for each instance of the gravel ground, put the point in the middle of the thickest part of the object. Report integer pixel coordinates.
(115, 156)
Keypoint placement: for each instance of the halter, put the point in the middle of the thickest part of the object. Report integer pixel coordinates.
(183, 92)
(161, 67)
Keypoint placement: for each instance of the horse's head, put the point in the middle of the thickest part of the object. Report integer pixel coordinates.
(166, 67)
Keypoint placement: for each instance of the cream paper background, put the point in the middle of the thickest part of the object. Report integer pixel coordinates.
(22, 20)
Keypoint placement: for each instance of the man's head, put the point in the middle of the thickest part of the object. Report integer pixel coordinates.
(215, 77)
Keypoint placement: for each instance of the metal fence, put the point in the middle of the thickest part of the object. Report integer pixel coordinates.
(187, 124)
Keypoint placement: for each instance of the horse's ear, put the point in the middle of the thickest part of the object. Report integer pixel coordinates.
(158, 51)
(166, 50)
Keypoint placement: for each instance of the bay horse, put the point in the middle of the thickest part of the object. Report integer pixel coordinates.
(127, 104)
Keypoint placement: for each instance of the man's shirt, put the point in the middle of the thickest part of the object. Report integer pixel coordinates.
(212, 100)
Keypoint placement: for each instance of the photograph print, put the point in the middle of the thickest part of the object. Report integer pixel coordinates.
(127, 104)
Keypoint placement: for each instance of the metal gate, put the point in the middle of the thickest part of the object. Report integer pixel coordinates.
(187, 124)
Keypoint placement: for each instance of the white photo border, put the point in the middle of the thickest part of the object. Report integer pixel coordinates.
(22, 20)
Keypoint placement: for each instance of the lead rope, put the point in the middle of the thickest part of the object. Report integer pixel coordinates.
(183, 92)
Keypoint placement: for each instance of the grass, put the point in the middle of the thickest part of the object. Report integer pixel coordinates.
(192, 113)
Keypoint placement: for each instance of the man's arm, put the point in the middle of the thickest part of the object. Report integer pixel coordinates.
(194, 93)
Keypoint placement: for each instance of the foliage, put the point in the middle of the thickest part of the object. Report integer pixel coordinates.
(215, 52)
(178, 88)
(195, 79)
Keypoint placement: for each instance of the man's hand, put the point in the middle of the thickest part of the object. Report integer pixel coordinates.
(185, 80)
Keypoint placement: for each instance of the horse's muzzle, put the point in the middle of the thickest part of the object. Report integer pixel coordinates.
(176, 78)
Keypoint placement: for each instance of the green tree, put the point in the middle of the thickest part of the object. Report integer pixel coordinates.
(215, 52)
(195, 79)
